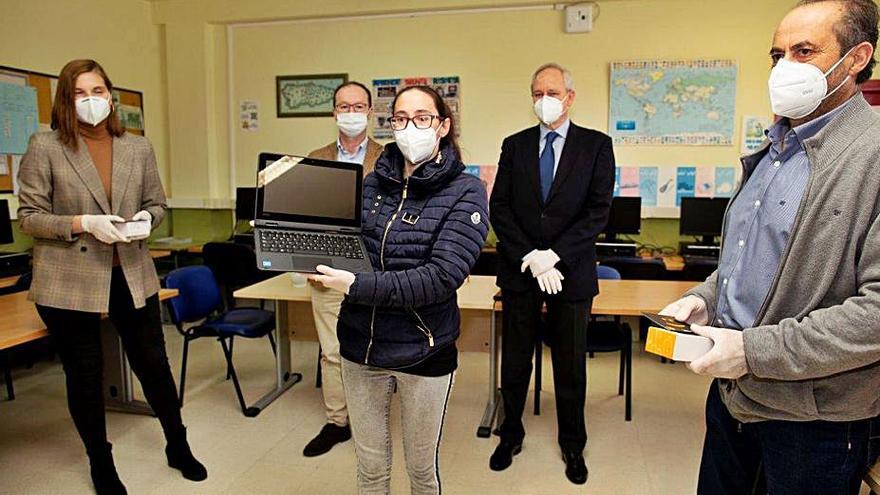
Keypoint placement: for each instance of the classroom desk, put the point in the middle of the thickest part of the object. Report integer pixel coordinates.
(615, 298)
(21, 324)
(8, 281)
(160, 253)
(174, 249)
(475, 296)
(279, 289)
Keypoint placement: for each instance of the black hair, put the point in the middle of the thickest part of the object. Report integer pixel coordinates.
(442, 110)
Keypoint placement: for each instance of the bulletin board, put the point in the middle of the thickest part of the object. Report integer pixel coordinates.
(129, 106)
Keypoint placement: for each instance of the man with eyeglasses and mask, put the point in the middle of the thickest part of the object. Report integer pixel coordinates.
(794, 306)
(352, 110)
(550, 200)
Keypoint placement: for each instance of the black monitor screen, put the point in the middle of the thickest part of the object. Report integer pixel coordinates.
(625, 216)
(5, 223)
(308, 190)
(702, 216)
(245, 202)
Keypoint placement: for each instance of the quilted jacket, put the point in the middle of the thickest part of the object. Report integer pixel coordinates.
(423, 234)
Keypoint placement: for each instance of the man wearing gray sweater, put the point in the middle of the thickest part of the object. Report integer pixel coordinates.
(794, 306)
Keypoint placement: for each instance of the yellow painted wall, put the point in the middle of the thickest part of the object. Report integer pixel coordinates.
(493, 53)
(43, 35)
(175, 51)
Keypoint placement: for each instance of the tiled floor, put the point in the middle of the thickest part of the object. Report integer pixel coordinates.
(656, 453)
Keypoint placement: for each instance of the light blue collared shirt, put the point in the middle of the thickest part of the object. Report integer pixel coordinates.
(357, 157)
(558, 144)
(760, 221)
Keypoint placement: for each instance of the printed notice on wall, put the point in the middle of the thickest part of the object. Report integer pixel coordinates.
(249, 115)
(385, 90)
(664, 186)
(753, 133)
(18, 117)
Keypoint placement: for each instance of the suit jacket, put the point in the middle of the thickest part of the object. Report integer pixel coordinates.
(329, 152)
(57, 183)
(575, 212)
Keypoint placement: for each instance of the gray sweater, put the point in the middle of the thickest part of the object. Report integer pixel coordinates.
(814, 353)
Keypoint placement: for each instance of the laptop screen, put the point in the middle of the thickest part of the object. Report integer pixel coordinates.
(309, 191)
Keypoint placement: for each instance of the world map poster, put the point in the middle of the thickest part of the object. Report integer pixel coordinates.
(673, 102)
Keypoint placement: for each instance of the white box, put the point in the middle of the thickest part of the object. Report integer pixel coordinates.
(136, 229)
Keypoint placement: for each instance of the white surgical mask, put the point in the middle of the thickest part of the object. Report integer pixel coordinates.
(797, 89)
(351, 123)
(417, 145)
(549, 109)
(92, 109)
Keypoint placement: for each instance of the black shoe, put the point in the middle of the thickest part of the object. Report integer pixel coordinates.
(180, 457)
(103, 472)
(502, 458)
(330, 435)
(575, 467)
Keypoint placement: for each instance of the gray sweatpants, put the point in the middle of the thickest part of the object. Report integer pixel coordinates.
(423, 402)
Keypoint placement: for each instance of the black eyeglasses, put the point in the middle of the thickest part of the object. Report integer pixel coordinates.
(357, 107)
(420, 121)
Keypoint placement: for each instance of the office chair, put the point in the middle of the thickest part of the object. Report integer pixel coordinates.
(200, 301)
(602, 336)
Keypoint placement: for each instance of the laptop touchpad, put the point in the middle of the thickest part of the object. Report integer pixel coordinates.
(308, 263)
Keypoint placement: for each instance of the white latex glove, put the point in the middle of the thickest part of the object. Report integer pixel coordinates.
(338, 280)
(539, 261)
(102, 228)
(142, 215)
(689, 309)
(726, 359)
(551, 281)
(139, 216)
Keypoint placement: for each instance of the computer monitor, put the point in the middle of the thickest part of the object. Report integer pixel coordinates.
(625, 217)
(5, 223)
(245, 203)
(702, 217)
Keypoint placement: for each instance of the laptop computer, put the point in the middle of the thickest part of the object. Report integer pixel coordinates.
(308, 213)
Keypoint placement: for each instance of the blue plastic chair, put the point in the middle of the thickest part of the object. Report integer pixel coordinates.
(613, 336)
(607, 273)
(200, 300)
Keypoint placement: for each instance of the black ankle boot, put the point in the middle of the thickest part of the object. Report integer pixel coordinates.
(180, 457)
(103, 472)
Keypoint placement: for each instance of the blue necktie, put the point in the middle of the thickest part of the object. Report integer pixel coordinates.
(547, 161)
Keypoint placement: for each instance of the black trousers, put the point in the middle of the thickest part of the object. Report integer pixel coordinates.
(566, 329)
(784, 457)
(77, 338)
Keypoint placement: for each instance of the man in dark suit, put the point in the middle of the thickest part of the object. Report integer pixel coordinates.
(550, 201)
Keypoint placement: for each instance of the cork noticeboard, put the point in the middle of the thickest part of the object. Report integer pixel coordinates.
(129, 106)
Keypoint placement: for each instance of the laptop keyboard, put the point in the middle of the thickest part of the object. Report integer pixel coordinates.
(283, 241)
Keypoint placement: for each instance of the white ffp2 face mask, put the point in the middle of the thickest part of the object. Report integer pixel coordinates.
(417, 145)
(797, 89)
(351, 123)
(549, 109)
(92, 109)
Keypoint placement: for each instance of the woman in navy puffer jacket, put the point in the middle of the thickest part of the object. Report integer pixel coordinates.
(424, 223)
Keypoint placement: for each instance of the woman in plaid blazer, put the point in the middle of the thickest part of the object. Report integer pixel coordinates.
(77, 183)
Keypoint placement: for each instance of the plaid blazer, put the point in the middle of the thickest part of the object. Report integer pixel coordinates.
(56, 184)
(329, 152)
